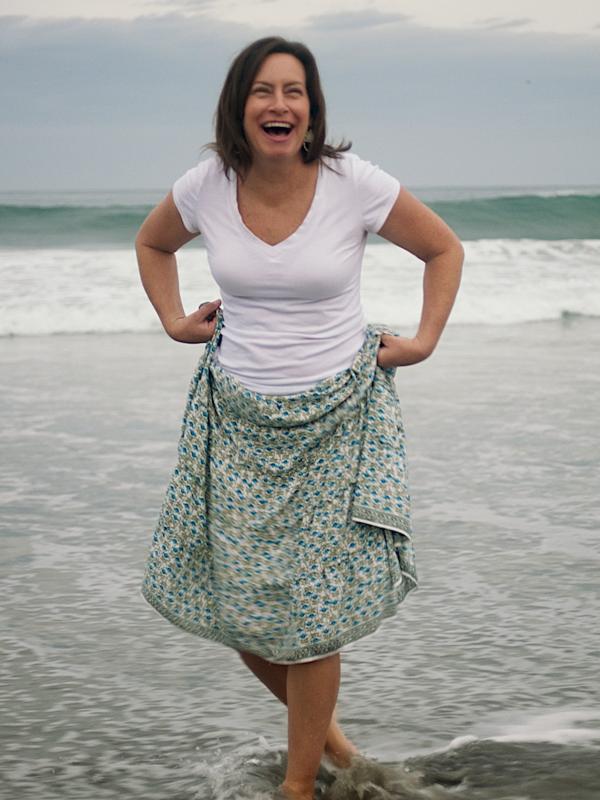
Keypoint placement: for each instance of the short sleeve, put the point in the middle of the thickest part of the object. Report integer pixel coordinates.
(186, 190)
(377, 192)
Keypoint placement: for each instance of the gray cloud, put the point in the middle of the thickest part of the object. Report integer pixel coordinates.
(364, 19)
(500, 23)
(129, 102)
(174, 6)
(105, 69)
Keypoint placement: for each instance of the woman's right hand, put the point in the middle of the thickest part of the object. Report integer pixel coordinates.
(197, 327)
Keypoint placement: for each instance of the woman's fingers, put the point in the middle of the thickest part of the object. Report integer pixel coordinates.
(398, 351)
(197, 327)
(384, 354)
(207, 309)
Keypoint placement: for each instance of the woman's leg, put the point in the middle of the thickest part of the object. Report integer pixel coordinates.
(312, 690)
(274, 677)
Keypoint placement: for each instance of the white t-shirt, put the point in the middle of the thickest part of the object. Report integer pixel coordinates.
(291, 311)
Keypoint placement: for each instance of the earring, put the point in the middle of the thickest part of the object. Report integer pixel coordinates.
(308, 139)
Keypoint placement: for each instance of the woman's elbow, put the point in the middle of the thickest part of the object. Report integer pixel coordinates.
(141, 237)
(455, 250)
(460, 251)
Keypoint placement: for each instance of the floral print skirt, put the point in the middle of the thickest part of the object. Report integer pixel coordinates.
(285, 529)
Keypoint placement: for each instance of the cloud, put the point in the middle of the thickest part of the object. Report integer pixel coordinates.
(500, 23)
(129, 102)
(363, 20)
(107, 70)
(175, 6)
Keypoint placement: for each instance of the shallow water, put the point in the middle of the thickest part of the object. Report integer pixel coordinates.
(484, 685)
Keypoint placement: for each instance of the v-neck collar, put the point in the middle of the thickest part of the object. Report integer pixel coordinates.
(238, 216)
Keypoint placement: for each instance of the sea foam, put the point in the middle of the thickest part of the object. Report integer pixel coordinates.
(504, 281)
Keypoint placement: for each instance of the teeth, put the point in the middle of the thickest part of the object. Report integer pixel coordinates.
(277, 125)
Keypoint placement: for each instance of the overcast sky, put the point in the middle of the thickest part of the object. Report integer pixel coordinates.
(121, 93)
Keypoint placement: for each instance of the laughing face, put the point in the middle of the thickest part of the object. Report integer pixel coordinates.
(277, 111)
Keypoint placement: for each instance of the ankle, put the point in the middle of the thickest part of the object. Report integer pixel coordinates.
(341, 756)
(338, 748)
(294, 790)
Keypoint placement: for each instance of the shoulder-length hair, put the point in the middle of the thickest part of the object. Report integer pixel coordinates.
(231, 144)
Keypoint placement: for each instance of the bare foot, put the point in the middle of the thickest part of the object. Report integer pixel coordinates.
(342, 758)
(288, 793)
(338, 748)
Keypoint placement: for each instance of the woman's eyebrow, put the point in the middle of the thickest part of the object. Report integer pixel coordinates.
(270, 85)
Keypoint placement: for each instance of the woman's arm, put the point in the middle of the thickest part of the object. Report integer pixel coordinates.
(162, 233)
(416, 228)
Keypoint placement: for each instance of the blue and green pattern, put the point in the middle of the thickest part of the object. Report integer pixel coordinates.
(285, 530)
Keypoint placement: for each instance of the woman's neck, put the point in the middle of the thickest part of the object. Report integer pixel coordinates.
(271, 180)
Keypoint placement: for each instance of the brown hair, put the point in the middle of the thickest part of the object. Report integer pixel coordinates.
(231, 144)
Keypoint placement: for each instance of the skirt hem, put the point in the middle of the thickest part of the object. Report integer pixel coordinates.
(308, 653)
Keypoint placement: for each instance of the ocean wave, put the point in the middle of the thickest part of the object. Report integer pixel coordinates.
(565, 726)
(45, 292)
(551, 755)
(552, 214)
(546, 216)
(68, 226)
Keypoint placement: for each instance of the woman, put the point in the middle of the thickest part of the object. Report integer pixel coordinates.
(285, 531)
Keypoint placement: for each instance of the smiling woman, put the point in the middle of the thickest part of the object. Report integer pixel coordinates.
(285, 531)
(277, 106)
(259, 76)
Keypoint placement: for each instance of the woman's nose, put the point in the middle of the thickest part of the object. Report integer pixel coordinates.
(278, 101)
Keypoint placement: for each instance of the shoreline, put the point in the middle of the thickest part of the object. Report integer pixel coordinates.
(503, 471)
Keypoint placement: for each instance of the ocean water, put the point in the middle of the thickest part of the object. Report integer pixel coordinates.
(109, 220)
(67, 263)
(483, 687)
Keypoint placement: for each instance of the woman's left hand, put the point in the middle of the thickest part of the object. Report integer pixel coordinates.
(398, 351)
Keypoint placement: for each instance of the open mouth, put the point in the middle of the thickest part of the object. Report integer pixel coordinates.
(278, 131)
